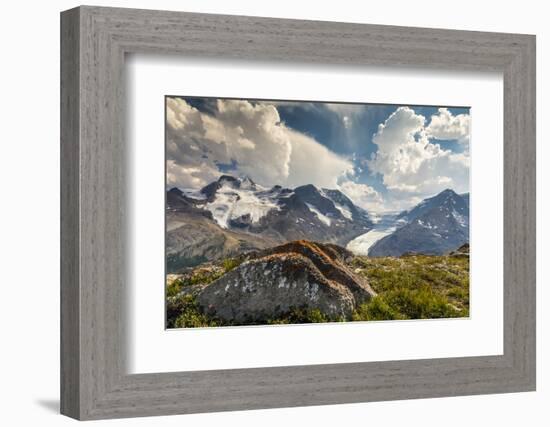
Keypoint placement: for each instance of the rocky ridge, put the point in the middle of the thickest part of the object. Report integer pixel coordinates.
(298, 275)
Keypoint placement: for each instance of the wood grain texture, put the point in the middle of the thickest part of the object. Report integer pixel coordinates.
(94, 272)
(70, 292)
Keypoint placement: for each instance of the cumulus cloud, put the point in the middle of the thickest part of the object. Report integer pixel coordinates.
(444, 125)
(363, 195)
(313, 163)
(249, 136)
(246, 138)
(411, 166)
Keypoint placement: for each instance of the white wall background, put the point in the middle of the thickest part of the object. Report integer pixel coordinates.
(29, 230)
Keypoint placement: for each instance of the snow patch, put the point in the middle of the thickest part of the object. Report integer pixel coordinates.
(459, 218)
(426, 225)
(232, 203)
(323, 218)
(193, 194)
(344, 210)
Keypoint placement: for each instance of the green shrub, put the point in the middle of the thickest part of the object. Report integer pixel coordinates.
(229, 264)
(190, 315)
(174, 288)
(315, 316)
(197, 278)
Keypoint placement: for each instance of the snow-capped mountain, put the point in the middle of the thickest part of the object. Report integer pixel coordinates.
(241, 203)
(435, 226)
(437, 201)
(234, 208)
(234, 215)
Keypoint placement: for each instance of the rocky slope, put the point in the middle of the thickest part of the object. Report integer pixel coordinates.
(435, 226)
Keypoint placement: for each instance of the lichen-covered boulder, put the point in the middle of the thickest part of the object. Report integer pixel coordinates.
(297, 275)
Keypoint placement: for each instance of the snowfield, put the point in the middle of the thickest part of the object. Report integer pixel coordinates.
(232, 203)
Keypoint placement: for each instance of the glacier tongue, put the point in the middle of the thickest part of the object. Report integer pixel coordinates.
(361, 244)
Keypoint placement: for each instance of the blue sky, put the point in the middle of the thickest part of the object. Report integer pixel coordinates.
(384, 157)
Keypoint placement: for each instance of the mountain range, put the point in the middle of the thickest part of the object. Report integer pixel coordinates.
(234, 215)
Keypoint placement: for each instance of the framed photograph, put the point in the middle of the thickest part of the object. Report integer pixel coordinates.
(262, 213)
(258, 234)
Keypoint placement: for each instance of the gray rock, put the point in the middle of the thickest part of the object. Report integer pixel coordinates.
(463, 251)
(297, 275)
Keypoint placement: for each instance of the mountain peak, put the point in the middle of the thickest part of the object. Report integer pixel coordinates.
(176, 191)
(307, 188)
(448, 191)
(435, 226)
(246, 178)
(447, 194)
(227, 178)
(246, 182)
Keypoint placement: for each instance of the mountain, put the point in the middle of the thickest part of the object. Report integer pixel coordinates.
(466, 197)
(233, 215)
(435, 226)
(346, 207)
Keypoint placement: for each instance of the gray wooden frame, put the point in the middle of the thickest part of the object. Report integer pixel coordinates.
(94, 41)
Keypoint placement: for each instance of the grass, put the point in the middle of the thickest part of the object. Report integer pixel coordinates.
(415, 287)
(409, 287)
(190, 315)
